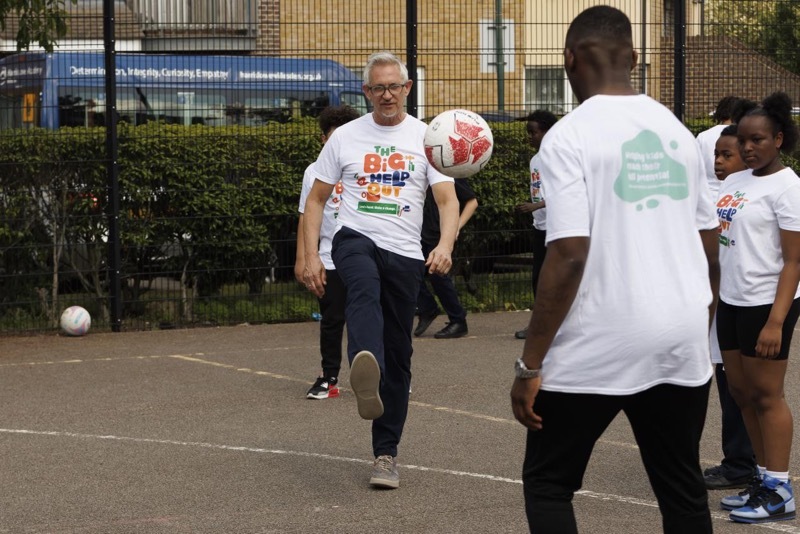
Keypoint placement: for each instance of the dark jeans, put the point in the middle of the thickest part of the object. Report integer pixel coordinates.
(445, 289)
(382, 290)
(739, 460)
(667, 422)
(539, 252)
(331, 327)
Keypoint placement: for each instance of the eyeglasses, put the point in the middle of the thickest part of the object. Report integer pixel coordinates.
(379, 90)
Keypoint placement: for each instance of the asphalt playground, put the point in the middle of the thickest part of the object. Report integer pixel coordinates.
(208, 431)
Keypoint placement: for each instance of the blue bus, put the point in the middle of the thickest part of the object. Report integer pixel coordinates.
(68, 89)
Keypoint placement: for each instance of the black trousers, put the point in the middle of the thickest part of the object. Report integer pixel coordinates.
(667, 421)
(738, 459)
(331, 326)
(445, 289)
(539, 252)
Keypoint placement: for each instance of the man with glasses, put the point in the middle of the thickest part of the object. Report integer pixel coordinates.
(380, 160)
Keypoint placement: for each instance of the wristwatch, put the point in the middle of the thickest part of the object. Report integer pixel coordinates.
(521, 371)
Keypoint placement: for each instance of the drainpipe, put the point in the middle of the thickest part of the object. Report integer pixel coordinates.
(499, 59)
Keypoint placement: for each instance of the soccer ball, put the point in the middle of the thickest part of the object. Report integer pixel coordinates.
(458, 143)
(75, 321)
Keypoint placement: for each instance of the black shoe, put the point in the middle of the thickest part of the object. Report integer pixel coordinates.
(521, 334)
(716, 479)
(424, 322)
(452, 330)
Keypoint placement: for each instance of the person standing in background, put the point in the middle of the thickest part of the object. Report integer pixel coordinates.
(738, 466)
(331, 304)
(538, 123)
(443, 285)
(759, 214)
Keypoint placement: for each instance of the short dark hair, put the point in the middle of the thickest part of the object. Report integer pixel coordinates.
(600, 22)
(730, 130)
(542, 117)
(335, 116)
(725, 108)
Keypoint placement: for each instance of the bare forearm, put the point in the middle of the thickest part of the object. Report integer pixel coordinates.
(784, 295)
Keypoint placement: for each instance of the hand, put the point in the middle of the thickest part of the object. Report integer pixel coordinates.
(768, 345)
(439, 261)
(299, 270)
(523, 394)
(314, 277)
(525, 207)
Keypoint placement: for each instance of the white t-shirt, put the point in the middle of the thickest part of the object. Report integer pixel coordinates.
(385, 174)
(752, 211)
(329, 215)
(537, 193)
(640, 317)
(707, 139)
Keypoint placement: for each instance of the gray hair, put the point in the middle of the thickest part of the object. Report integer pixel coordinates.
(384, 58)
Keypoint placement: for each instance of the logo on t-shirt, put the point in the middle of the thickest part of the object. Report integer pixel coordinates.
(536, 186)
(648, 171)
(727, 207)
(336, 198)
(385, 173)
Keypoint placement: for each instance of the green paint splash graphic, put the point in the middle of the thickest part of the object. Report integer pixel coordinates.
(648, 171)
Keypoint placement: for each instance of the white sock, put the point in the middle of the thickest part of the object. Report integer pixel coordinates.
(783, 476)
(761, 471)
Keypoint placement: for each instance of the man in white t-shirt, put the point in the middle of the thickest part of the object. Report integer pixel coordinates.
(626, 293)
(707, 139)
(380, 160)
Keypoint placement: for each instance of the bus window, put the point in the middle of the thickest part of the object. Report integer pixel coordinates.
(19, 110)
(81, 107)
(356, 101)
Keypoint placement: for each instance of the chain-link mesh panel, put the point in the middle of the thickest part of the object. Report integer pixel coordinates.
(215, 105)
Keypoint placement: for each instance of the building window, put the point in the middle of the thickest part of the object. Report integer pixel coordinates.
(548, 88)
(488, 45)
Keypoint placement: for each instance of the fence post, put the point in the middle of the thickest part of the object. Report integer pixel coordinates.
(411, 55)
(112, 168)
(680, 59)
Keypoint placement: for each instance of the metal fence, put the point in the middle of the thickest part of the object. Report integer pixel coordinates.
(157, 186)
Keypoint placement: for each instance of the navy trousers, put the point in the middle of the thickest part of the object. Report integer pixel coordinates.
(382, 290)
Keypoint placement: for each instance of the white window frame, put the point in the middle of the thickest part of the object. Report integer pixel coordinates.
(488, 48)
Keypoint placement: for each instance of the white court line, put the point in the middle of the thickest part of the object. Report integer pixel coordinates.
(780, 527)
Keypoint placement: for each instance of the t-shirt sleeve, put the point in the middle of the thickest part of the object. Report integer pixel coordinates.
(464, 191)
(308, 182)
(327, 168)
(567, 194)
(706, 216)
(787, 208)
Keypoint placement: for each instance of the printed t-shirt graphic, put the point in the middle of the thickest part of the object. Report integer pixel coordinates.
(385, 174)
(537, 193)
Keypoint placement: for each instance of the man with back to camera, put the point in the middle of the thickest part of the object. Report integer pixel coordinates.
(380, 159)
(626, 293)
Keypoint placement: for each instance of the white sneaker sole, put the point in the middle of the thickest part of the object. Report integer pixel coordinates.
(365, 379)
(384, 483)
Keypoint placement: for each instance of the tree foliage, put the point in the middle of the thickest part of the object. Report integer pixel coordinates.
(769, 27)
(39, 21)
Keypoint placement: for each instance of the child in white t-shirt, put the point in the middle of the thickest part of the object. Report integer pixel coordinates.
(759, 214)
(738, 466)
